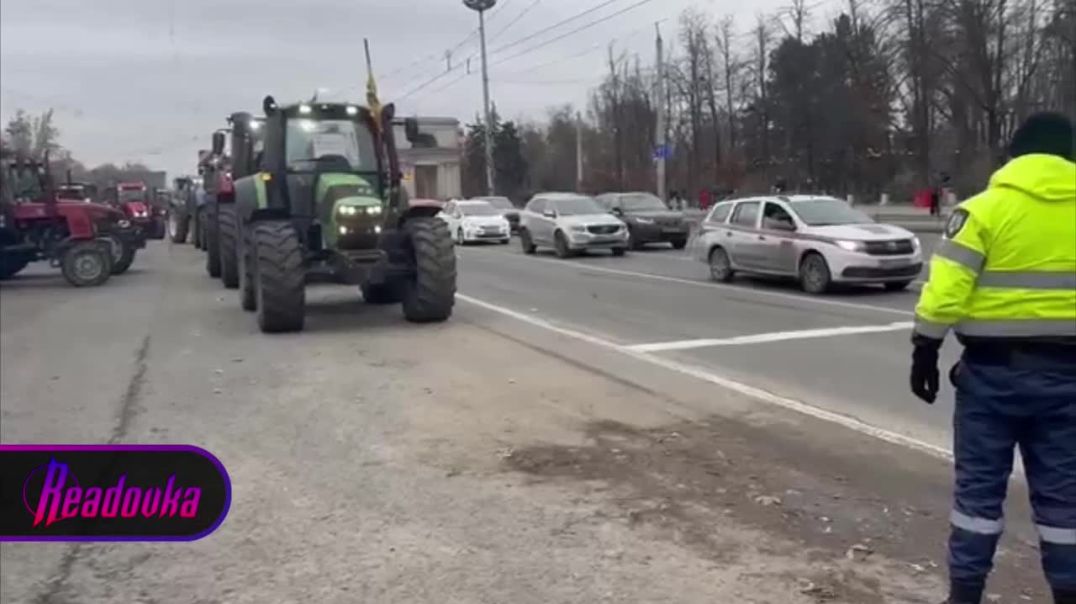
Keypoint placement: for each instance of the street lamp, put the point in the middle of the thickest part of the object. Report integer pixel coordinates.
(482, 6)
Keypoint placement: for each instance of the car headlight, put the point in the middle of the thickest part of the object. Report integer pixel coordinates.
(851, 246)
(578, 228)
(642, 220)
(916, 245)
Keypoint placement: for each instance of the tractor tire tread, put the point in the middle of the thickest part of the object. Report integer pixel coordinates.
(431, 295)
(281, 278)
(228, 239)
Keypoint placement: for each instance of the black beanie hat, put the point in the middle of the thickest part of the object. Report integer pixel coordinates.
(1048, 133)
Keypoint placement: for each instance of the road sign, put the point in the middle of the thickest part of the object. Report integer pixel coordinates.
(662, 152)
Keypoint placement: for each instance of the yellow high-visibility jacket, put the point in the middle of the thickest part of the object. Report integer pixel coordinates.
(1006, 268)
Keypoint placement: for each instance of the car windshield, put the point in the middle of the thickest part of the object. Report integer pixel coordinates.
(501, 203)
(641, 202)
(577, 206)
(478, 209)
(825, 212)
(309, 140)
(132, 195)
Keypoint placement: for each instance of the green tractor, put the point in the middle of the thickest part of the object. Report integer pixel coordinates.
(318, 198)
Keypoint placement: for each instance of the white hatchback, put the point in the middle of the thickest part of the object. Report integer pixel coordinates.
(818, 240)
(473, 221)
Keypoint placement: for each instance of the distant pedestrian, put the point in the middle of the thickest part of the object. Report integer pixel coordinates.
(935, 201)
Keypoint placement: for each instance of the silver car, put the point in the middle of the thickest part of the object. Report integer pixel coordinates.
(570, 223)
(819, 240)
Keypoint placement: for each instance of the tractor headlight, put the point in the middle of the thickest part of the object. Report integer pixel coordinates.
(352, 110)
(305, 109)
(347, 210)
(373, 210)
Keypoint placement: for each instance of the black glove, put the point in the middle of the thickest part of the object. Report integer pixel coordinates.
(925, 378)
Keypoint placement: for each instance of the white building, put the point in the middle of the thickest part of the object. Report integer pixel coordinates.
(431, 163)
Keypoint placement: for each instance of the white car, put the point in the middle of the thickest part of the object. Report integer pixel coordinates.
(473, 221)
(570, 223)
(818, 240)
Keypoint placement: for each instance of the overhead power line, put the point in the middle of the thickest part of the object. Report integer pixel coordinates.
(516, 20)
(554, 26)
(430, 81)
(572, 32)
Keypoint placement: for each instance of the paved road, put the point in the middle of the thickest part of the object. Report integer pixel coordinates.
(518, 453)
(660, 297)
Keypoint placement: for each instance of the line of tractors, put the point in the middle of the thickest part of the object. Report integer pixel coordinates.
(65, 225)
(311, 192)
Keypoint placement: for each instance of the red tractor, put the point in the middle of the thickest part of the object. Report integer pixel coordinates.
(83, 239)
(135, 200)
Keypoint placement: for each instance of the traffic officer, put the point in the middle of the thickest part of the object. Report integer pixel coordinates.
(1004, 279)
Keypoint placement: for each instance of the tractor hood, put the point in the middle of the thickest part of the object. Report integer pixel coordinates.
(348, 204)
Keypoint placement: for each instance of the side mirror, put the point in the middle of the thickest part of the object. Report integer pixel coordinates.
(218, 142)
(550, 213)
(617, 212)
(411, 129)
(269, 105)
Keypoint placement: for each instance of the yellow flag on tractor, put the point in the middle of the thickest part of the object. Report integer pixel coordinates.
(371, 88)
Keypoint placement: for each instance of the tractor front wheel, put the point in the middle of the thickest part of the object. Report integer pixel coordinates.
(280, 277)
(248, 294)
(228, 237)
(430, 294)
(87, 264)
(178, 226)
(211, 241)
(123, 255)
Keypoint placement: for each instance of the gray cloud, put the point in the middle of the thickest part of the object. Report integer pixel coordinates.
(149, 80)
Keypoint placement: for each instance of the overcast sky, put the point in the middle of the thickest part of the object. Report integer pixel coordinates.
(148, 80)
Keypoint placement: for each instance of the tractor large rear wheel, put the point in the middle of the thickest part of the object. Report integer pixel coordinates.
(280, 277)
(211, 240)
(228, 235)
(87, 264)
(11, 264)
(430, 294)
(123, 255)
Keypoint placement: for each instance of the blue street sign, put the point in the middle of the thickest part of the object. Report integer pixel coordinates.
(662, 152)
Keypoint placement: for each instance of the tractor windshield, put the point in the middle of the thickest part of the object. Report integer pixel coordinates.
(343, 140)
(127, 195)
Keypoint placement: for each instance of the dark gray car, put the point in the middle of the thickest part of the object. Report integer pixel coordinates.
(649, 220)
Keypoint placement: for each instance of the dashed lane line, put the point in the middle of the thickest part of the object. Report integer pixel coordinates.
(777, 336)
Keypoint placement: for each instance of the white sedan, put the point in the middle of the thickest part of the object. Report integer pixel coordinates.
(473, 221)
(818, 240)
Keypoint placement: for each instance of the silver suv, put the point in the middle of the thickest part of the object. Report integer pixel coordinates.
(570, 223)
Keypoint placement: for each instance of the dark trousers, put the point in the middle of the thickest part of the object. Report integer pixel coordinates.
(1022, 401)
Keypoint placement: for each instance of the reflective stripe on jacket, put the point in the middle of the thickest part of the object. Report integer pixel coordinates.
(1006, 267)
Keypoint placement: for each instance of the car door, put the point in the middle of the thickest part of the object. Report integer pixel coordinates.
(542, 227)
(448, 215)
(711, 230)
(776, 242)
(741, 235)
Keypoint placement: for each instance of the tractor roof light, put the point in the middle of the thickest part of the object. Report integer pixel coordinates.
(307, 125)
(305, 109)
(352, 110)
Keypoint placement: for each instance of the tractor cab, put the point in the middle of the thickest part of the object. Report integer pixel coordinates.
(133, 199)
(336, 182)
(76, 192)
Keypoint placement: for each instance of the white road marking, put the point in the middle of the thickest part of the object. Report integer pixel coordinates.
(710, 284)
(724, 382)
(778, 336)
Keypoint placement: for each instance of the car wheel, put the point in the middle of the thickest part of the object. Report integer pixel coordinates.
(720, 266)
(459, 237)
(897, 286)
(619, 251)
(815, 277)
(634, 242)
(560, 244)
(679, 244)
(505, 241)
(526, 243)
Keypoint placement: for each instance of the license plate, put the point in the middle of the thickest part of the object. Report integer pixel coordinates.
(672, 230)
(895, 263)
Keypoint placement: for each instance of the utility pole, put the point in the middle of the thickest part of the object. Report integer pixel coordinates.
(660, 148)
(579, 152)
(482, 6)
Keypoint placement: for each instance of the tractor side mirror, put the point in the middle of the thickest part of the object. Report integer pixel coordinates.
(269, 105)
(218, 143)
(411, 129)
